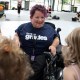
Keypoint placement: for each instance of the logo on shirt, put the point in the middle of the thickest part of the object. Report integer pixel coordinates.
(35, 37)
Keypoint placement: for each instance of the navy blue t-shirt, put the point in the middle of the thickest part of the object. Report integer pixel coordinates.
(35, 41)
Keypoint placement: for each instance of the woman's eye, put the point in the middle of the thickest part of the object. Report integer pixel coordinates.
(39, 17)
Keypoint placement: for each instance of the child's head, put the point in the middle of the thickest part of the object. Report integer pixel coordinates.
(71, 52)
(14, 63)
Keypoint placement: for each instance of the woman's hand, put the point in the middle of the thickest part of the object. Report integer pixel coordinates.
(53, 46)
(53, 50)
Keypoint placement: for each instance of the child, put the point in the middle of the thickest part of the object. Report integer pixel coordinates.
(14, 64)
(71, 55)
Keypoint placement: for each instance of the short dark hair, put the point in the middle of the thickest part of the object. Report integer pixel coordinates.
(40, 8)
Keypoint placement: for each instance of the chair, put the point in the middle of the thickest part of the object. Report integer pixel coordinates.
(58, 29)
(54, 65)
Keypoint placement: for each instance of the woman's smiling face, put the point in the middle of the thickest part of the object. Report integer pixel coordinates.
(38, 19)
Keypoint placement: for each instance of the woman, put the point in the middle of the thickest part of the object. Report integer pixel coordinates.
(35, 37)
(71, 54)
(19, 8)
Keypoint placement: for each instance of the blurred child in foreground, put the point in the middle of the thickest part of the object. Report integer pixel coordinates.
(14, 65)
(71, 55)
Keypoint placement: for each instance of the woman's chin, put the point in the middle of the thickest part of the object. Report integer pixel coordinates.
(39, 26)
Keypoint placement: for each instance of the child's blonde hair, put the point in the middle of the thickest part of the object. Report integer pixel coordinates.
(71, 52)
(14, 63)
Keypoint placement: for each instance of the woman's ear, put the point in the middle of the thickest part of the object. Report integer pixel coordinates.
(30, 17)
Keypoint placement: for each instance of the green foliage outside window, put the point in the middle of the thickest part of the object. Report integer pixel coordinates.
(78, 1)
(66, 1)
(69, 1)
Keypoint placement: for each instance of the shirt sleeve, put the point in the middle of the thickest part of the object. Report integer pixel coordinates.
(19, 29)
(56, 35)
